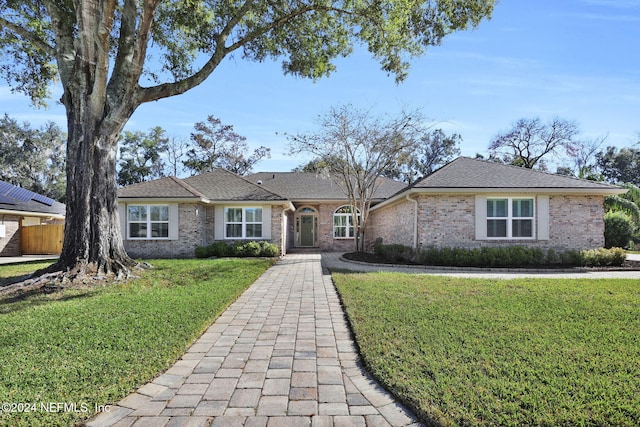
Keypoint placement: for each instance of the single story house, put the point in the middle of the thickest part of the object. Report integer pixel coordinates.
(466, 203)
(20, 208)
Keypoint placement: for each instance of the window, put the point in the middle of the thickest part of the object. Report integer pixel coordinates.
(243, 223)
(343, 223)
(510, 218)
(148, 221)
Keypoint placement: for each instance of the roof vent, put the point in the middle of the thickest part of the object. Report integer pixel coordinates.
(259, 182)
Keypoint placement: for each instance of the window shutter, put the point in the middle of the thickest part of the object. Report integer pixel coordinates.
(266, 222)
(174, 221)
(481, 218)
(122, 213)
(543, 217)
(218, 220)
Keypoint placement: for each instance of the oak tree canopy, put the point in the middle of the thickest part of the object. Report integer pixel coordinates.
(111, 56)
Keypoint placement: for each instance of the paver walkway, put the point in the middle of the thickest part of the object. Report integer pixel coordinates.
(281, 355)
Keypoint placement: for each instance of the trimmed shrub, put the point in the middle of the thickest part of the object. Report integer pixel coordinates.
(618, 229)
(510, 256)
(394, 253)
(202, 252)
(603, 257)
(238, 249)
(219, 249)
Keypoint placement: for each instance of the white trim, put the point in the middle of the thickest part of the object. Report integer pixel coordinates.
(173, 219)
(510, 218)
(265, 222)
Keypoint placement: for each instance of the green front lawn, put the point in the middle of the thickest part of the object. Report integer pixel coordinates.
(513, 352)
(93, 347)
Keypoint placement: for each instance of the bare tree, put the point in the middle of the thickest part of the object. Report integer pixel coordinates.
(218, 146)
(176, 150)
(356, 148)
(531, 142)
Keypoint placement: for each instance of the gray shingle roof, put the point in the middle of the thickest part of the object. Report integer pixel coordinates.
(464, 172)
(311, 186)
(221, 184)
(14, 198)
(216, 185)
(168, 187)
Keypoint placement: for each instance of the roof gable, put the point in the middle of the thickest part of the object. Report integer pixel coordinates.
(467, 173)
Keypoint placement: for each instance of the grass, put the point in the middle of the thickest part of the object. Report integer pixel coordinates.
(94, 346)
(488, 352)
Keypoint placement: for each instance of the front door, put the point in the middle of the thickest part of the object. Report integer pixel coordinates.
(307, 230)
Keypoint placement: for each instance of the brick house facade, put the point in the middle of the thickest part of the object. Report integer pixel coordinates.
(466, 203)
(574, 222)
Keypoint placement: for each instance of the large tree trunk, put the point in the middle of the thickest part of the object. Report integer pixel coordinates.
(92, 239)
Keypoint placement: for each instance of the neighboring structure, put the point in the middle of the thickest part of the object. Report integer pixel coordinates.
(19, 209)
(467, 203)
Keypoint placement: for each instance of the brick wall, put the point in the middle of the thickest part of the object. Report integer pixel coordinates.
(575, 222)
(196, 228)
(393, 224)
(191, 231)
(10, 244)
(326, 241)
(277, 232)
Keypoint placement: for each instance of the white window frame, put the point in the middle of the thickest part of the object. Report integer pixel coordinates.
(243, 222)
(148, 222)
(349, 227)
(510, 218)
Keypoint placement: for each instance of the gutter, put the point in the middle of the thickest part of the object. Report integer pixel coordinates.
(4, 212)
(415, 220)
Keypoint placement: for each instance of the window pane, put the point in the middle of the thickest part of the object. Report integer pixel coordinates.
(339, 220)
(254, 230)
(344, 209)
(523, 208)
(160, 229)
(159, 213)
(234, 215)
(254, 214)
(497, 207)
(522, 228)
(234, 230)
(340, 232)
(496, 228)
(137, 213)
(137, 229)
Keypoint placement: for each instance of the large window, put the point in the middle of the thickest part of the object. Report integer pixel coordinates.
(510, 218)
(343, 227)
(243, 223)
(148, 222)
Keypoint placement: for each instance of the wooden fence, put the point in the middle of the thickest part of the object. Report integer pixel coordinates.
(42, 239)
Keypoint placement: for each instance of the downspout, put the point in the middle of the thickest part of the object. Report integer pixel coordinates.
(415, 220)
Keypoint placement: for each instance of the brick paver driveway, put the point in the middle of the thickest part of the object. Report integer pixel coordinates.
(281, 355)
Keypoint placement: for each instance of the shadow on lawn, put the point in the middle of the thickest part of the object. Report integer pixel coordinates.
(38, 297)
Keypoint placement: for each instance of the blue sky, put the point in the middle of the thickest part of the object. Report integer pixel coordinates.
(575, 59)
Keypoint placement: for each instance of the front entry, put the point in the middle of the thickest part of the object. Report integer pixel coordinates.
(307, 228)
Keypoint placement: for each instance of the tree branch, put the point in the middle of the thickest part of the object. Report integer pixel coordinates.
(23, 32)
